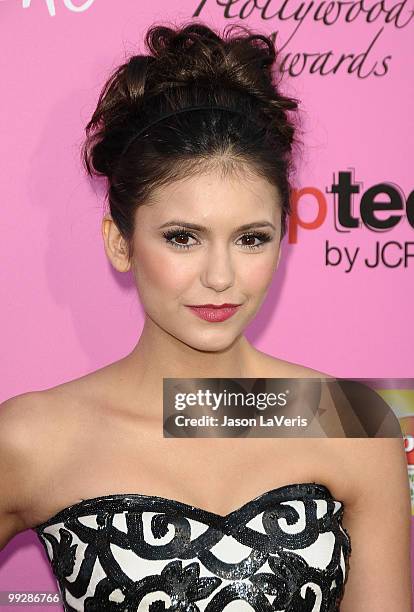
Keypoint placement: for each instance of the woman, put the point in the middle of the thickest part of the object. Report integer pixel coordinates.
(197, 143)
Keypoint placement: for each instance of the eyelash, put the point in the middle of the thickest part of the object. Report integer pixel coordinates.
(263, 236)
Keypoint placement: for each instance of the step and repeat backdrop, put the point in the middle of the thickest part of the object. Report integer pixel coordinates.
(342, 299)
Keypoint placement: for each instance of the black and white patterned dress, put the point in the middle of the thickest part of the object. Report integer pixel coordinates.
(284, 551)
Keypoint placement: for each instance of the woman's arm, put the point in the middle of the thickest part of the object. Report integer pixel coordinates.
(15, 447)
(379, 524)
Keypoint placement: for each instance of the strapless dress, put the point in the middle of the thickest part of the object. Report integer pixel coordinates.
(284, 551)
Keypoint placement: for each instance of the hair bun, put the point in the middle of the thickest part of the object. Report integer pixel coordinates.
(197, 55)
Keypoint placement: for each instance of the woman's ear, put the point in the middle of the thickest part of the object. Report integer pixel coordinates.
(115, 245)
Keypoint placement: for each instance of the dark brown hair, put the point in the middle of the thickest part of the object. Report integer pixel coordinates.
(191, 65)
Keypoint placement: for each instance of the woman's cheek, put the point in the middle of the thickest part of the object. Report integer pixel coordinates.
(258, 275)
(160, 271)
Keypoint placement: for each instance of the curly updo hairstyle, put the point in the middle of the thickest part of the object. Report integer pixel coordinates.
(190, 65)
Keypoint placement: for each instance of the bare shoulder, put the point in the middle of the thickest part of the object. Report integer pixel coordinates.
(380, 569)
(22, 448)
(21, 417)
(42, 414)
(371, 462)
(37, 429)
(32, 416)
(28, 420)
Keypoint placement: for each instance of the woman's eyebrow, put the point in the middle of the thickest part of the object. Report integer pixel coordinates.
(201, 228)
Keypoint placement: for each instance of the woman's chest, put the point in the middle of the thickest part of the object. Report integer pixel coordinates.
(216, 475)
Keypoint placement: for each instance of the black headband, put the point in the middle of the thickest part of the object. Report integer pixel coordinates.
(177, 112)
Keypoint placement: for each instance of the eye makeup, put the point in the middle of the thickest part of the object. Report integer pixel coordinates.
(170, 235)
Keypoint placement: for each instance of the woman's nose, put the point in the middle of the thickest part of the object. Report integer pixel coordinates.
(218, 268)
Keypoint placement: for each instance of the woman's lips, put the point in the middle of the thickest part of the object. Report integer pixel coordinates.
(214, 314)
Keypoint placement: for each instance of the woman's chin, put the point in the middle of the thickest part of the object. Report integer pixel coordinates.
(211, 344)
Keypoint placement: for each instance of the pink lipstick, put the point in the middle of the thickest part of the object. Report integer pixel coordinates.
(213, 313)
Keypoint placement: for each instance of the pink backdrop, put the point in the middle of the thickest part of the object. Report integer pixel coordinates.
(58, 290)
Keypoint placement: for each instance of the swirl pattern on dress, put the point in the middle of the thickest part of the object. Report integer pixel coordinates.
(284, 551)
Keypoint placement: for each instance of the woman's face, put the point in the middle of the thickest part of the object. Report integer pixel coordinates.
(175, 265)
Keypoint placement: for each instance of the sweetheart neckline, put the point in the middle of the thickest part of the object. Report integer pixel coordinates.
(309, 489)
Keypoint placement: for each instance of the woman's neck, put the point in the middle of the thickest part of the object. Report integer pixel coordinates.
(158, 355)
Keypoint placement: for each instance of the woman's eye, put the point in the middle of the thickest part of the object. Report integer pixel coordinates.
(179, 239)
(263, 237)
(181, 235)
